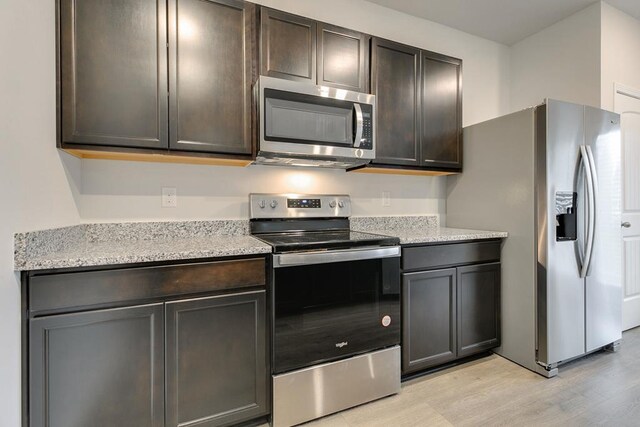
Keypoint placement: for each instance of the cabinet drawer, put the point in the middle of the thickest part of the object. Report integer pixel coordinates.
(57, 292)
(435, 256)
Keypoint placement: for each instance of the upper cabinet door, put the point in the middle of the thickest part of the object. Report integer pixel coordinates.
(343, 58)
(441, 139)
(395, 81)
(287, 46)
(210, 61)
(113, 72)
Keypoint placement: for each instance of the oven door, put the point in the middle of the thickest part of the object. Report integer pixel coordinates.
(334, 304)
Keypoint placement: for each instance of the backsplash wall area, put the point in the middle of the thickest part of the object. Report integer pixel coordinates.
(132, 191)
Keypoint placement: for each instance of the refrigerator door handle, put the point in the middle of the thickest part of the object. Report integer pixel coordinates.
(594, 211)
(591, 202)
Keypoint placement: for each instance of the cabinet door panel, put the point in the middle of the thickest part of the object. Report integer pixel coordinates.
(441, 139)
(288, 46)
(98, 368)
(429, 319)
(114, 72)
(210, 61)
(343, 58)
(216, 360)
(395, 80)
(478, 308)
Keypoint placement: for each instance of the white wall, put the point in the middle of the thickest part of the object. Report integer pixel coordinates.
(560, 62)
(132, 191)
(37, 182)
(620, 53)
(116, 191)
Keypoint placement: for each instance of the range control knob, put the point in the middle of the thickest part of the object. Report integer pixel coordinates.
(262, 204)
(273, 204)
(332, 204)
(341, 204)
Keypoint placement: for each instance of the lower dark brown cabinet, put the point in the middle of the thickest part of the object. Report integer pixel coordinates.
(216, 360)
(98, 368)
(429, 318)
(451, 304)
(94, 354)
(478, 308)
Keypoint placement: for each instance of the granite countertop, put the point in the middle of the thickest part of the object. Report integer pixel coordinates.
(127, 243)
(89, 245)
(440, 234)
(420, 229)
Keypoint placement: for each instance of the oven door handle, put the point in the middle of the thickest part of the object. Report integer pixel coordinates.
(341, 255)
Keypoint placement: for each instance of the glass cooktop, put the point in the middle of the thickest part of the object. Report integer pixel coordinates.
(319, 240)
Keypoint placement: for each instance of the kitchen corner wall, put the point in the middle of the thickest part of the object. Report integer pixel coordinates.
(39, 184)
(561, 62)
(620, 53)
(579, 59)
(117, 191)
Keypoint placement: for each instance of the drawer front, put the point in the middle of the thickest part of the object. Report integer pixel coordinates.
(66, 291)
(436, 256)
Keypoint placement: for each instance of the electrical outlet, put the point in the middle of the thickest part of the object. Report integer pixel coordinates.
(169, 197)
(386, 198)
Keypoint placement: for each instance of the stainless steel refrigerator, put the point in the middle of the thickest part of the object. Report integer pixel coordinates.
(549, 175)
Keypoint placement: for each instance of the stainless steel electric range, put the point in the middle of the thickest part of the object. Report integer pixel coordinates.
(335, 306)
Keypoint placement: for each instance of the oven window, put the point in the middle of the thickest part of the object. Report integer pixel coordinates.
(308, 119)
(328, 311)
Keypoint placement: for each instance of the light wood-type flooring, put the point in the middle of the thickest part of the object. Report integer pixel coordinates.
(602, 389)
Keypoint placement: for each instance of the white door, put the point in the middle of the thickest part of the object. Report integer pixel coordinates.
(627, 104)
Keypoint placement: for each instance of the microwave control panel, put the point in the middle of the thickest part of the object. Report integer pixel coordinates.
(366, 143)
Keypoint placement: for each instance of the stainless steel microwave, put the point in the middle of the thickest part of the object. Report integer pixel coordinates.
(307, 125)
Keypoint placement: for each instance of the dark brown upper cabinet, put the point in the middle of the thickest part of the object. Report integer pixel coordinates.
(297, 48)
(343, 58)
(288, 46)
(113, 73)
(419, 108)
(395, 81)
(441, 135)
(172, 76)
(210, 75)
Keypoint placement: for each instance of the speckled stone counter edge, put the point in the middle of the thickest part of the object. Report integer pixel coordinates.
(38, 244)
(43, 249)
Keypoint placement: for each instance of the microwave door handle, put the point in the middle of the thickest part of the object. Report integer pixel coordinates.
(359, 125)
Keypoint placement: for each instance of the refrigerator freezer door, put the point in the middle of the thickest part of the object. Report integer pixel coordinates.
(560, 290)
(604, 276)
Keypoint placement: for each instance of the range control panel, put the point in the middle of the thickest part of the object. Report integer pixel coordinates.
(263, 205)
(304, 203)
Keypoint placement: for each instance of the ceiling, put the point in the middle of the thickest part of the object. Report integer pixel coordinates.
(504, 21)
